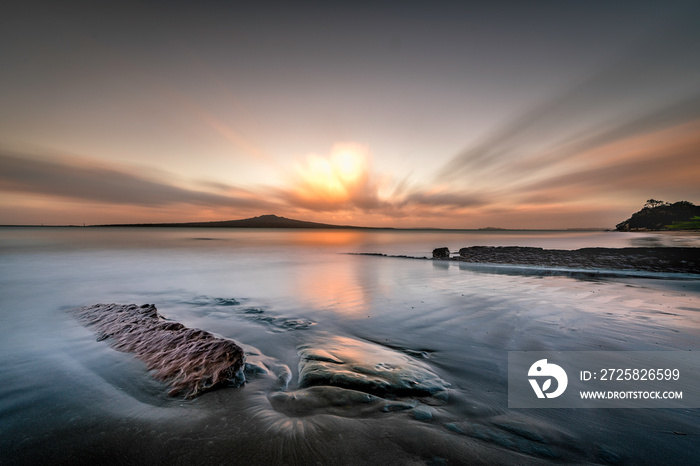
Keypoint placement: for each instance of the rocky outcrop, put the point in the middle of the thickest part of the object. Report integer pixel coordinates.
(190, 360)
(441, 253)
(346, 377)
(365, 367)
(681, 260)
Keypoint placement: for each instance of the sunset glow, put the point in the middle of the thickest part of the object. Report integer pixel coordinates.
(425, 119)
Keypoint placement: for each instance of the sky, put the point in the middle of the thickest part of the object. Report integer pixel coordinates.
(541, 114)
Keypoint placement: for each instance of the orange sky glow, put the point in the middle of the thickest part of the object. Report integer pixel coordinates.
(390, 119)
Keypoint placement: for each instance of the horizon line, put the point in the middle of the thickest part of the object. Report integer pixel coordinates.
(293, 224)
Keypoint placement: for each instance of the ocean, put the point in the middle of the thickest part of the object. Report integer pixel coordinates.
(66, 398)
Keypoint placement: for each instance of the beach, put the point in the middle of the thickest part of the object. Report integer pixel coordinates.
(331, 233)
(352, 358)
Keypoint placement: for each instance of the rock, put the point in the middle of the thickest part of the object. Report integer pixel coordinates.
(441, 253)
(655, 259)
(365, 367)
(190, 360)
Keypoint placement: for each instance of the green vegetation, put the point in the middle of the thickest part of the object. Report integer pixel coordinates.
(692, 224)
(660, 215)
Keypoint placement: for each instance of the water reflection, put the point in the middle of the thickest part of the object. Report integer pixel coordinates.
(325, 237)
(441, 265)
(577, 273)
(685, 239)
(647, 242)
(331, 284)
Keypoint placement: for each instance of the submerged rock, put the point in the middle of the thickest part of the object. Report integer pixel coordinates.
(277, 324)
(190, 360)
(365, 367)
(422, 413)
(212, 307)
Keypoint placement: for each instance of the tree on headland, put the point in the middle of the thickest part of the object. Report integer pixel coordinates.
(651, 203)
(660, 215)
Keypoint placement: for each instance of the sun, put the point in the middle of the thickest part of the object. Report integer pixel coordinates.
(348, 162)
(320, 178)
(333, 178)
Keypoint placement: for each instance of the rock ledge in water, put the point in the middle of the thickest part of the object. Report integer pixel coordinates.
(652, 259)
(356, 365)
(190, 360)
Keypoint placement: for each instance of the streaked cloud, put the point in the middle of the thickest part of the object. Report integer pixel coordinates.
(346, 184)
(667, 160)
(651, 86)
(89, 180)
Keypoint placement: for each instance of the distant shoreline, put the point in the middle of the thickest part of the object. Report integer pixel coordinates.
(329, 227)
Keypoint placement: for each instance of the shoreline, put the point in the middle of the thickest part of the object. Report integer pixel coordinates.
(646, 259)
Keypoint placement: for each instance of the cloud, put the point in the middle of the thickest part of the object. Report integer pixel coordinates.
(665, 161)
(625, 161)
(653, 86)
(88, 180)
(345, 180)
(443, 199)
(630, 131)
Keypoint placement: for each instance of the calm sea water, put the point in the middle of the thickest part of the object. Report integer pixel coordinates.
(67, 399)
